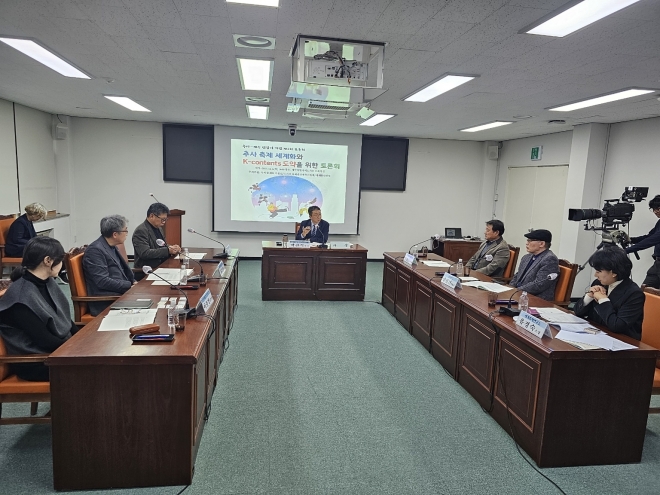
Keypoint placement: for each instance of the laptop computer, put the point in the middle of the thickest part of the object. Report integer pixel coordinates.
(453, 233)
(144, 304)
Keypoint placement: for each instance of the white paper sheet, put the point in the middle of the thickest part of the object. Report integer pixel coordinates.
(194, 256)
(602, 340)
(556, 315)
(576, 328)
(468, 279)
(436, 263)
(489, 286)
(120, 320)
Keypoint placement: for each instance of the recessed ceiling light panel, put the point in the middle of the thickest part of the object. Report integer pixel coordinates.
(578, 15)
(257, 112)
(34, 50)
(128, 103)
(259, 3)
(377, 119)
(483, 127)
(599, 100)
(256, 74)
(442, 85)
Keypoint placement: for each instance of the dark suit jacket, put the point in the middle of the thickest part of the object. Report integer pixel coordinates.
(147, 251)
(20, 232)
(535, 280)
(623, 314)
(321, 233)
(106, 273)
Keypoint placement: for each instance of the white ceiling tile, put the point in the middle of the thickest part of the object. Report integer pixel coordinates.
(348, 24)
(437, 34)
(139, 47)
(61, 8)
(370, 6)
(209, 30)
(185, 61)
(202, 7)
(162, 13)
(408, 16)
(115, 21)
(171, 40)
(194, 77)
(471, 11)
(408, 60)
(259, 21)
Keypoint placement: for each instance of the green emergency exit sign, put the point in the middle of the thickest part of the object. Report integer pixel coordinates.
(537, 153)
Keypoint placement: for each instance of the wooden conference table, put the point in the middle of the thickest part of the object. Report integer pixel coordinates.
(563, 405)
(127, 415)
(289, 274)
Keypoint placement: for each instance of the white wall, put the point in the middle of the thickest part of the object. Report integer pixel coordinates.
(116, 164)
(36, 157)
(633, 160)
(8, 184)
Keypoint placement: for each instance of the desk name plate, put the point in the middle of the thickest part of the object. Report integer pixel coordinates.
(533, 325)
(451, 281)
(204, 303)
(409, 259)
(299, 244)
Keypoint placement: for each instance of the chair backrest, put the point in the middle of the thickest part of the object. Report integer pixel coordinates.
(297, 228)
(513, 259)
(4, 368)
(565, 281)
(651, 323)
(5, 223)
(74, 269)
(122, 251)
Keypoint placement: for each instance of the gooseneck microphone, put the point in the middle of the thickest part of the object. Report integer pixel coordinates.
(155, 198)
(418, 243)
(224, 253)
(509, 311)
(191, 312)
(201, 270)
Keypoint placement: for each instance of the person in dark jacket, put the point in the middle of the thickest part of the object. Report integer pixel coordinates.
(652, 239)
(315, 229)
(613, 299)
(22, 230)
(149, 239)
(106, 271)
(34, 313)
(539, 268)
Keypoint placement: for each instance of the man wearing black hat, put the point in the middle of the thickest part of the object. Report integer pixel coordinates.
(539, 268)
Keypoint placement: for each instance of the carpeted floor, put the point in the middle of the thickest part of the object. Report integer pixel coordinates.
(336, 398)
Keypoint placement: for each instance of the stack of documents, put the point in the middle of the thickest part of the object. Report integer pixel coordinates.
(489, 286)
(194, 256)
(125, 319)
(436, 264)
(588, 341)
(172, 275)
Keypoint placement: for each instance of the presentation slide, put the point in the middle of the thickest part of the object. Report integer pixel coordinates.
(264, 180)
(277, 181)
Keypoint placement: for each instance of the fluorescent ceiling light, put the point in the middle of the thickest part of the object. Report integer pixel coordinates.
(442, 85)
(257, 112)
(128, 103)
(261, 3)
(46, 57)
(256, 74)
(483, 127)
(377, 119)
(599, 100)
(579, 16)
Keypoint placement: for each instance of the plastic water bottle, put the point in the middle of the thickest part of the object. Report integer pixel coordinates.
(183, 274)
(170, 318)
(186, 258)
(459, 268)
(523, 302)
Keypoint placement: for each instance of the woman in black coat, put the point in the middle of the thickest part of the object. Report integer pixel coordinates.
(613, 299)
(34, 313)
(22, 230)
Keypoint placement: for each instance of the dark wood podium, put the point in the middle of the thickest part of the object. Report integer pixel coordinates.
(172, 227)
(455, 249)
(293, 274)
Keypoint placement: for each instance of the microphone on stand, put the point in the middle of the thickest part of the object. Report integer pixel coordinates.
(224, 253)
(418, 243)
(201, 278)
(509, 311)
(155, 198)
(191, 312)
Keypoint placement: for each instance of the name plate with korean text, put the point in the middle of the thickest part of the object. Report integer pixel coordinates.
(451, 281)
(533, 325)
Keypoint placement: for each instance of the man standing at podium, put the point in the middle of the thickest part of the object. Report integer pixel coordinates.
(148, 250)
(493, 255)
(315, 229)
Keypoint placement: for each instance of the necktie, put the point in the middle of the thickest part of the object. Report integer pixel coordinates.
(313, 230)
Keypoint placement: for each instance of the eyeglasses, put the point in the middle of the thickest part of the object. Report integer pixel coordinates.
(655, 209)
(122, 231)
(162, 219)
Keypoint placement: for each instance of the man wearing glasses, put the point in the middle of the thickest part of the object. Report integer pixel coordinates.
(539, 268)
(650, 240)
(147, 249)
(106, 270)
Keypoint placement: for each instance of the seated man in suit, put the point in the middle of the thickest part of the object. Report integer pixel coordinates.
(148, 250)
(106, 271)
(539, 269)
(613, 299)
(314, 229)
(493, 255)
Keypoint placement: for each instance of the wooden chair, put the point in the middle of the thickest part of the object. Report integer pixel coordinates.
(565, 281)
(5, 261)
(651, 333)
(510, 268)
(297, 228)
(74, 267)
(14, 389)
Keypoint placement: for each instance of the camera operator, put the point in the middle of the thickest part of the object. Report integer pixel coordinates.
(646, 241)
